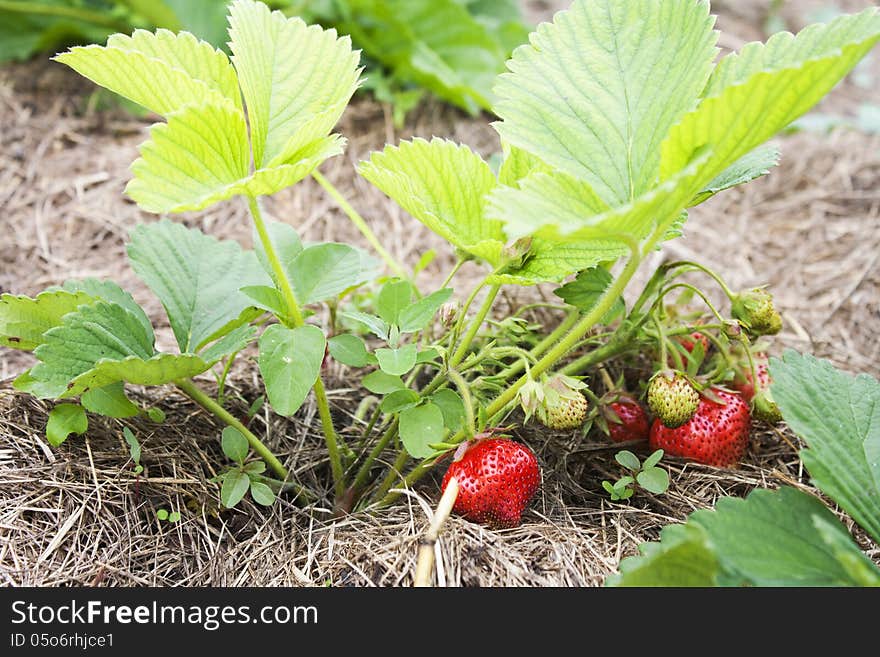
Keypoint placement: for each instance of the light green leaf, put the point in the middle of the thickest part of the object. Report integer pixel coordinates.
(324, 271)
(653, 480)
(653, 459)
(750, 166)
(290, 361)
(399, 400)
(110, 292)
(110, 401)
(753, 96)
(265, 297)
(393, 298)
(838, 416)
(235, 487)
(197, 278)
(204, 18)
(65, 419)
(296, 79)
(596, 91)
(381, 383)
(770, 539)
(627, 459)
(184, 52)
(442, 185)
(262, 494)
(23, 320)
(154, 371)
(517, 165)
(418, 315)
(234, 444)
(231, 343)
(585, 291)
(156, 415)
(196, 159)
(451, 405)
(374, 324)
(134, 447)
(148, 70)
(349, 350)
(397, 361)
(681, 558)
(551, 260)
(420, 427)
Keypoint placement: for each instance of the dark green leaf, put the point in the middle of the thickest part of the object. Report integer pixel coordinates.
(235, 446)
(381, 383)
(585, 290)
(838, 416)
(235, 487)
(65, 419)
(420, 427)
(681, 558)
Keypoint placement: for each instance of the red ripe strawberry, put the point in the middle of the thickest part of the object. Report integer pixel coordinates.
(744, 382)
(497, 479)
(633, 424)
(717, 434)
(689, 342)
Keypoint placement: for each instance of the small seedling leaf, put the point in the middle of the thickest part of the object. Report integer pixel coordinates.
(235, 487)
(654, 480)
(262, 494)
(653, 459)
(235, 446)
(627, 459)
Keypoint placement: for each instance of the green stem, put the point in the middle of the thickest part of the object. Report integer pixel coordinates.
(76, 13)
(393, 475)
(465, 393)
(603, 305)
(296, 319)
(695, 290)
(191, 390)
(474, 327)
(544, 344)
(689, 265)
(361, 224)
(221, 382)
(361, 477)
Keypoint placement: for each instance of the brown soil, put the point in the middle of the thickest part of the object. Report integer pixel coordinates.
(77, 515)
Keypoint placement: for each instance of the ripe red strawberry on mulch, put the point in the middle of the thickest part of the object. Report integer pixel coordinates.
(717, 434)
(497, 478)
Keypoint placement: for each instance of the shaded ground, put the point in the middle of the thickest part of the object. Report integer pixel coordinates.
(77, 515)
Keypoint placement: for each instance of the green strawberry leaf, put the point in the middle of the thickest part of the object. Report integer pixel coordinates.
(421, 427)
(23, 320)
(296, 79)
(162, 72)
(197, 278)
(324, 271)
(681, 558)
(65, 419)
(750, 166)
(595, 92)
(585, 291)
(290, 362)
(441, 184)
(109, 401)
(110, 292)
(838, 417)
(754, 94)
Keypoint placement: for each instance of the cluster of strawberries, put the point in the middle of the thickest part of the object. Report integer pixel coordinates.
(706, 423)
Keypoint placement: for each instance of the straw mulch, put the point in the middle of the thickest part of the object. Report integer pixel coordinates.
(78, 516)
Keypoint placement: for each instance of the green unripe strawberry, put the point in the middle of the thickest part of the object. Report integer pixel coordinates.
(765, 409)
(557, 403)
(754, 308)
(672, 398)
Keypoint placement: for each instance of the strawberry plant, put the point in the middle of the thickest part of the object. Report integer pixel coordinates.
(615, 120)
(787, 537)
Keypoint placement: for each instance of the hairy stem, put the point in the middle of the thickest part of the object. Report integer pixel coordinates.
(296, 320)
(544, 344)
(361, 224)
(474, 327)
(191, 390)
